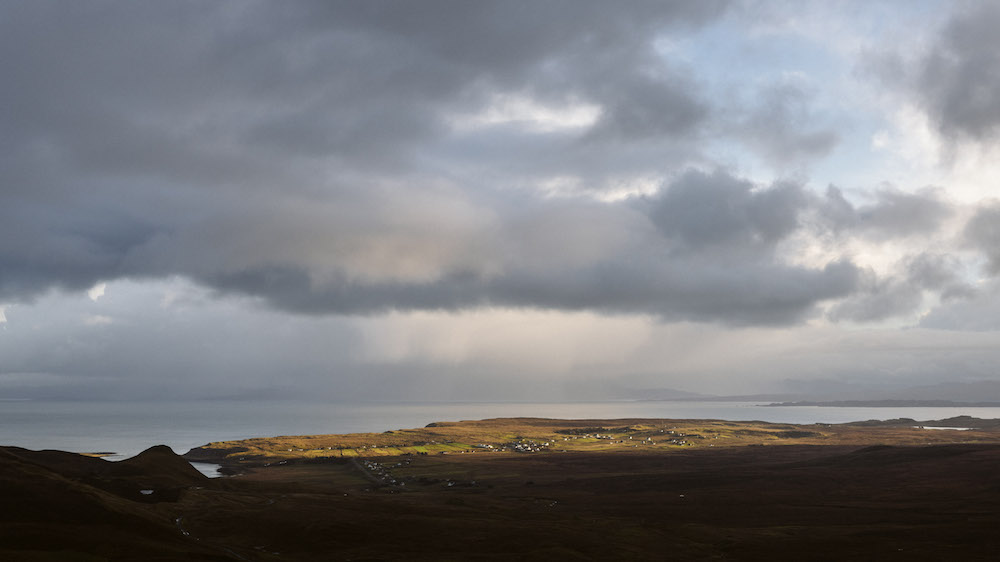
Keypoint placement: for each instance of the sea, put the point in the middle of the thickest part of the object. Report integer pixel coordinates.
(127, 428)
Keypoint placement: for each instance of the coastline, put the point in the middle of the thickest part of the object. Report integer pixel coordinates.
(127, 428)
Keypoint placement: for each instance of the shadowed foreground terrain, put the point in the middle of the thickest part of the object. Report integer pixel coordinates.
(550, 489)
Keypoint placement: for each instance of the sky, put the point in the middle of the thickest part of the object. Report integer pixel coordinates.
(551, 200)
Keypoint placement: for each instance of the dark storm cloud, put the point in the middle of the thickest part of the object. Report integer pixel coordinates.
(959, 80)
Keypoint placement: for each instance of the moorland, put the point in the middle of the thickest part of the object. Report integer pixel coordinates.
(525, 489)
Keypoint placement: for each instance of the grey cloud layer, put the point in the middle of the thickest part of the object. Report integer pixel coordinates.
(307, 153)
(780, 127)
(983, 233)
(702, 249)
(959, 79)
(902, 293)
(891, 214)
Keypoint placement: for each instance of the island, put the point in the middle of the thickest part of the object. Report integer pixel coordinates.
(526, 489)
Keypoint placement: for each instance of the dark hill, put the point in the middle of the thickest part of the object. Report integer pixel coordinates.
(885, 456)
(957, 422)
(62, 506)
(677, 490)
(158, 467)
(58, 461)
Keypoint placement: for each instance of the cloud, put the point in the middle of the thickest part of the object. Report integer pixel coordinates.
(880, 299)
(363, 158)
(646, 108)
(200, 96)
(892, 214)
(905, 290)
(703, 249)
(130, 133)
(203, 346)
(200, 346)
(782, 128)
(704, 210)
(983, 233)
(977, 312)
(98, 320)
(308, 155)
(368, 199)
(943, 272)
(959, 79)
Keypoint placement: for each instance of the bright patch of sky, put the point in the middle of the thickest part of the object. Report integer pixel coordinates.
(97, 291)
(531, 115)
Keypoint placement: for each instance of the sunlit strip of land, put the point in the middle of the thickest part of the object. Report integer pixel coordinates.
(547, 436)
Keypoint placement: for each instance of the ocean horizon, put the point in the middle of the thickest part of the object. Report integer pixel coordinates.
(127, 428)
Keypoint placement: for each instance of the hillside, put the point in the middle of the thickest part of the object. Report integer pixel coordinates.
(59, 506)
(523, 489)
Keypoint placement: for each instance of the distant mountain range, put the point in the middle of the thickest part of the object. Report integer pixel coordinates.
(887, 403)
(979, 393)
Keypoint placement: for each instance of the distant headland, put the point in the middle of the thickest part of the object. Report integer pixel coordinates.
(889, 404)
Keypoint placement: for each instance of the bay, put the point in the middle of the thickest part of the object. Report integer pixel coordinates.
(127, 428)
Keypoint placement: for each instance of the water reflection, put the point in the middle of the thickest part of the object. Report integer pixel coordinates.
(208, 469)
